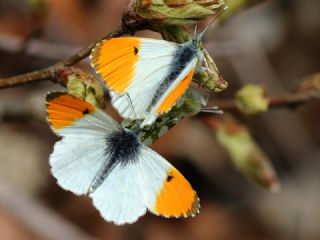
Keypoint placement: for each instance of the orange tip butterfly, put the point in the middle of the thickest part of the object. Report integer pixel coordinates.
(99, 158)
(153, 73)
(146, 75)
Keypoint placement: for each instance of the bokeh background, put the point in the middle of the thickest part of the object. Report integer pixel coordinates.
(274, 43)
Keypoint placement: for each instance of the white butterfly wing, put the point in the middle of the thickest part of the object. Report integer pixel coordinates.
(75, 163)
(166, 192)
(77, 158)
(134, 74)
(131, 189)
(96, 125)
(119, 198)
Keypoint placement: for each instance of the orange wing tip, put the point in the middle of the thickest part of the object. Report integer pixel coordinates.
(95, 54)
(176, 198)
(192, 212)
(64, 109)
(195, 210)
(115, 61)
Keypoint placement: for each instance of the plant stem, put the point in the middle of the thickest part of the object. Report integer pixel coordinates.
(50, 72)
(288, 100)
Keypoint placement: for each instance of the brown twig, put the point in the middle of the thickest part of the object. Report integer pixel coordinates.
(49, 72)
(289, 100)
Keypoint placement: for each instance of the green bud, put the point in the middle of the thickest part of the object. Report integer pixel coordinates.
(85, 86)
(173, 33)
(310, 83)
(252, 99)
(245, 154)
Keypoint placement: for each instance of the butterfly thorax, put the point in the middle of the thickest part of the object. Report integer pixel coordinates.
(122, 147)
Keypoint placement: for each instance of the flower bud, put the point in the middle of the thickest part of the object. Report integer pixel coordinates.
(175, 11)
(209, 76)
(310, 83)
(252, 99)
(82, 85)
(245, 154)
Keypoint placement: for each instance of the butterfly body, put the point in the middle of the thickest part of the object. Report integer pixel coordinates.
(146, 76)
(99, 158)
(122, 147)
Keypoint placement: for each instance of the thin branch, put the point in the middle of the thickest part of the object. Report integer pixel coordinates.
(38, 48)
(49, 72)
(289, 100)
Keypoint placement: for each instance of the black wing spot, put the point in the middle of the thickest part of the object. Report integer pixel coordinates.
(169, 178)
(85, 111)
(135, 50)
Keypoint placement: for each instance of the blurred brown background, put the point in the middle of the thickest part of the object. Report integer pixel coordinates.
(275, 43)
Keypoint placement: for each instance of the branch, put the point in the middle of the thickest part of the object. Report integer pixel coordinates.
(289, 100)
(50, 72)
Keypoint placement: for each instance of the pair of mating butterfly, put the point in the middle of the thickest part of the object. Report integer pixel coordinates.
(96, 156)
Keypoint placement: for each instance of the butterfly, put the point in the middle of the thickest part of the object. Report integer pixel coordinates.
(99, 158)
(146, 75)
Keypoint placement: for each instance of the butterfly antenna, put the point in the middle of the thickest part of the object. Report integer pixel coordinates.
(199, 36)
(137, 130)
(134, 112)
(195, 31)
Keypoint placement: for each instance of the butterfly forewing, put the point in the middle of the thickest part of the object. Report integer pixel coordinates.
(77, 158)
(144, 75)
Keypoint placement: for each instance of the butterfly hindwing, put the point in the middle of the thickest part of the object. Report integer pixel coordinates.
(166, 191)
(119, 198)
(150, 182)
(75, 163)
